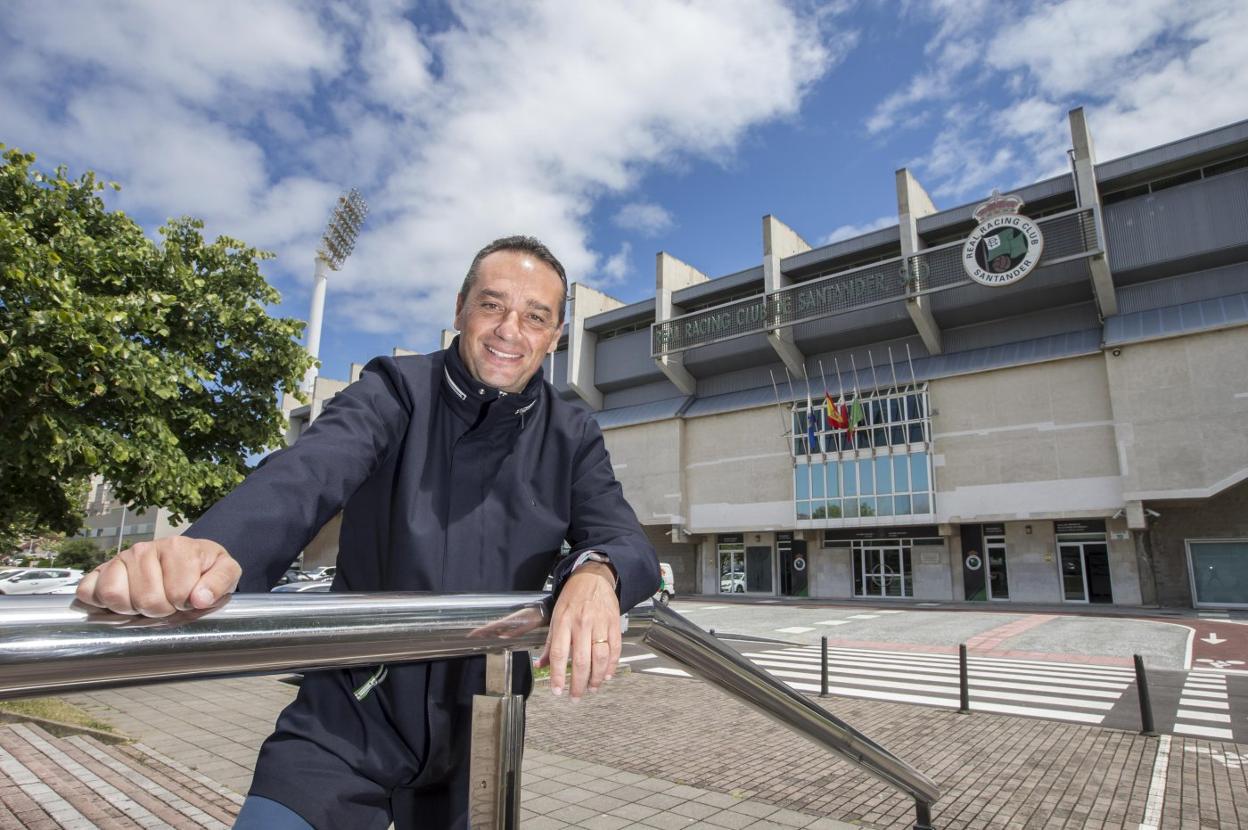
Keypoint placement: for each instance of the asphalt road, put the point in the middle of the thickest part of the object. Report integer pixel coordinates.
(1064, 668)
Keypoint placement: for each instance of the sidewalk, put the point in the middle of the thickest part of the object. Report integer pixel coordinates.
(653, 752)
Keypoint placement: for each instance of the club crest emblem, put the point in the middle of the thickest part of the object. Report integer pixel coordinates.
(1005, 246)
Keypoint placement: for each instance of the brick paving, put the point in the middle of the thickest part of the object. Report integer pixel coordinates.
(654, 752)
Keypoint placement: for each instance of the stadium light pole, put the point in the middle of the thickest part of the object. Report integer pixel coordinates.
(337, 243)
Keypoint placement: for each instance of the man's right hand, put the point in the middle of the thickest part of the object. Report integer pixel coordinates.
(156, 579)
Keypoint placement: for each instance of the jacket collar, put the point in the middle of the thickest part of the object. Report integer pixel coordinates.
(476, 403)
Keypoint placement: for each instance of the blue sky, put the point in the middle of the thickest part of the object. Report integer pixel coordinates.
(611, 130)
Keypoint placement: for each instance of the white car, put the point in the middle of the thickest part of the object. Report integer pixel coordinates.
(39, 580)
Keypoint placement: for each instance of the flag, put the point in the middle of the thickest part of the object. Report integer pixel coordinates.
(836, 413)
(810, 431)
(856, 417)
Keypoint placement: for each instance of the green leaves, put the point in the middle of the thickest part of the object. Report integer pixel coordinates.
(154, 365)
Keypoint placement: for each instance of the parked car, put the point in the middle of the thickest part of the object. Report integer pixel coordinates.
(323, 572)
(39, 580)
(667, 587)
(316, 587)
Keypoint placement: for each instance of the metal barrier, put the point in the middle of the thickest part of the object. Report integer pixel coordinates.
(51, 645)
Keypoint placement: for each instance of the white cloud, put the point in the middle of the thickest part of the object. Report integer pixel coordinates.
(511, 118)
(1147, 72)
(850, 231)
(645, 218)
(617, 267)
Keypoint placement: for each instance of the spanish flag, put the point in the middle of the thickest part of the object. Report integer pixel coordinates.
(837, 418)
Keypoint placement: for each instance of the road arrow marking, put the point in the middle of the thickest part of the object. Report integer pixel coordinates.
(1213, 639)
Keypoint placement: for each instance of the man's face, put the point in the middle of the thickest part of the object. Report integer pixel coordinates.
(509, 319)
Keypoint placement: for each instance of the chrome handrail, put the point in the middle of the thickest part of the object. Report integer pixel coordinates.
(51, 645)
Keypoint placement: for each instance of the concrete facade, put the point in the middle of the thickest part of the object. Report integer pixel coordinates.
(1066, 412)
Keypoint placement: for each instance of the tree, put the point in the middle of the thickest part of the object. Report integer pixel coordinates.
(79, 553)
(154, 365)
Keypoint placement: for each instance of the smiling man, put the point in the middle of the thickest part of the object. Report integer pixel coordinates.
(457, 471)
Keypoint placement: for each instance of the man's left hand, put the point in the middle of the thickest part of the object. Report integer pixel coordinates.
(585, 626)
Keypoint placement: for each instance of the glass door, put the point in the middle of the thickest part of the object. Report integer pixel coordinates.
(1085, 571)
(1074, 580)
(882, 570)
(731, 567)
(994, 561)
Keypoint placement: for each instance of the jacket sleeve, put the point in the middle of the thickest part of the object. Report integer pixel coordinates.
(279, 508)
(602, 520)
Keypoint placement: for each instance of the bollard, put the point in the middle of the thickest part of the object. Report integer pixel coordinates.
(964, 685)
(823, 674)
(1146, 704)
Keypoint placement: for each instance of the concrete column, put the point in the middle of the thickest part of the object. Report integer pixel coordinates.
(779, 241)
(671, 275)
(913, 203)
(1083, 160)
(584, 302)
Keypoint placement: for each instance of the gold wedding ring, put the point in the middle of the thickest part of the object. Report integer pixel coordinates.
(596, 642)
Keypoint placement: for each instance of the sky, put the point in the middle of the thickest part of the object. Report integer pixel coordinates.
(610, 130)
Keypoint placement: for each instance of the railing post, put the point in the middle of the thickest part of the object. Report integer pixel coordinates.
(823, 673)
(497, 750)
(1146, 704)
(964, 683)
(922, 815)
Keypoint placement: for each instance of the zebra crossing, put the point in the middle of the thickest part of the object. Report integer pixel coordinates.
(1204, 706)
(1072, 692)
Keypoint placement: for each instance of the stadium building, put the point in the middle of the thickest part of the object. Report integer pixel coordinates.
(1037, 398)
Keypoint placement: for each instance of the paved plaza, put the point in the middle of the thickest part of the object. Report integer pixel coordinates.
(655, 750)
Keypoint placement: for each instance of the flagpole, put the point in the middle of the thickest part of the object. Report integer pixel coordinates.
(883, 409)
(925, 420)
(827, 420)
(858, 396)
(901, 399)
(840, 394)
(784, 428)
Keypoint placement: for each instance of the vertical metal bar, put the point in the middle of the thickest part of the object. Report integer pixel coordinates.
(964, 684)
(922, 815)
(1146, 704)
(823, 674)
(497, 750)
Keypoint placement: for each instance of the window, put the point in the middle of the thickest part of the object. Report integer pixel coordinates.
(893, 418)
(1219, 572)
(731, 549)
(882, 470)
(882, 486)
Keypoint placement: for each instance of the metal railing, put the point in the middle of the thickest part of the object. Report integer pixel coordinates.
(51, 645)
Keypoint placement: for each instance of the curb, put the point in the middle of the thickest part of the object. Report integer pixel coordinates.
(61, 729)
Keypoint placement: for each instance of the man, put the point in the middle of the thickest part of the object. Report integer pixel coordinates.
(458, 471)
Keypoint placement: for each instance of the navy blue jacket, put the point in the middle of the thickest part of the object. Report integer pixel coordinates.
(445, 485)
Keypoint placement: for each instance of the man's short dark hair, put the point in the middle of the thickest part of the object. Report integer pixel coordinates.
(523, 244)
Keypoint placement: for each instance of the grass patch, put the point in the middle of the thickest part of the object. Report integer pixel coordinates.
(542, 674)
(53, 708)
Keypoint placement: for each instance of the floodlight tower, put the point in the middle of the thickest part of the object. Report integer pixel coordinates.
(336, 245)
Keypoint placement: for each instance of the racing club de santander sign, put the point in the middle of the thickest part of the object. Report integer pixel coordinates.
(1005, 246)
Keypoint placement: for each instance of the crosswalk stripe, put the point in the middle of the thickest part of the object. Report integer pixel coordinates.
(952, 703)
(917, 667)
(1203, 731)
(976, 678)
(1102, 671)
(1204, 704)
(975, 692)
(636, 657)
(794, 629)
(1206, 684)
(1214, 717)
(667, 671)
(1188, 691)
(833, 622)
